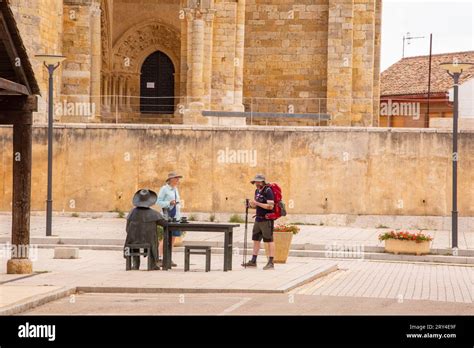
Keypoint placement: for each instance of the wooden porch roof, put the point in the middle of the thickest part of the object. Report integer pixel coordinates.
(16, 73)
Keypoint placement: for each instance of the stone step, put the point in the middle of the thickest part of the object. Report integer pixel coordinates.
(379, 256)
(294, 246)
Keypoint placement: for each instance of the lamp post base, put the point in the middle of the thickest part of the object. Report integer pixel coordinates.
(19, 266)
(454, 229)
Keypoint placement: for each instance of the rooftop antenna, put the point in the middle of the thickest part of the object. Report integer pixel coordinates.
(407, 37)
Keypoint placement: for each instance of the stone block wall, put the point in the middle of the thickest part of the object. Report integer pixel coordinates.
(325, 170)
(81, 85)
(314, 56)
(308, 56)
(224, 55)
(285, 55)
(40, 25)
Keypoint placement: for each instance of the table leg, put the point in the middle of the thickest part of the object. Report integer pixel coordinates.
(231, 249)
(170, 248)
(166, 251)
(226, 251)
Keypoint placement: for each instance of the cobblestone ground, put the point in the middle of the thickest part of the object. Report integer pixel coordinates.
(396, 280)
(358, 287)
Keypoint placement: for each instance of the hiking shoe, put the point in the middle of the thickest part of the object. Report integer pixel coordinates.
(250, 264)
(160, 263)
(269, 266)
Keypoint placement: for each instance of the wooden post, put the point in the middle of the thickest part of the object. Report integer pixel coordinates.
(22, 151)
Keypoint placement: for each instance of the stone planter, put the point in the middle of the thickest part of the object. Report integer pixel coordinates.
(398, 246)
(282, 246)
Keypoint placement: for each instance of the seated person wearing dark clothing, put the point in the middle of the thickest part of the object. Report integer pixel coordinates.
(142, 224)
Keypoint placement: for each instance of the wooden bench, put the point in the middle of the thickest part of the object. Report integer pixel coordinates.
(128, 253)
(197, 250)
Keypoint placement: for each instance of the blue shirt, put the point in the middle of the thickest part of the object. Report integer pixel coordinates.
(166, 195)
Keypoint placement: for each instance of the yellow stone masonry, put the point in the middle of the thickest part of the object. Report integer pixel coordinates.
(303, 56)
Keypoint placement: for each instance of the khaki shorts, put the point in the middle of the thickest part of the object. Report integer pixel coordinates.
(263, 230)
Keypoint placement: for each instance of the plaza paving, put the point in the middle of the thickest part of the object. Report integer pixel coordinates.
(242, 304)
(102, 271)
(306, 278)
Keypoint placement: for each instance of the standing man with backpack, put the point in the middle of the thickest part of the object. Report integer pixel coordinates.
(264, 203)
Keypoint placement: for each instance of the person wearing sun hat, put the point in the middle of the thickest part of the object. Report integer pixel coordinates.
(263, 227)
(169, 201)
(142, 223)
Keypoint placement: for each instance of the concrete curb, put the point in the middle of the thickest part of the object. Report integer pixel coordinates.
(35, 301)
(379, 256)
(133, 290)
(281, 290)
(372, 252)
(117, 244)
(317, 274)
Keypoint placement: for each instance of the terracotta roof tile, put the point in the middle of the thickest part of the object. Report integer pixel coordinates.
(410, 75)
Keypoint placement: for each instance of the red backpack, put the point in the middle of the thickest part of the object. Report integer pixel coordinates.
(279, 208)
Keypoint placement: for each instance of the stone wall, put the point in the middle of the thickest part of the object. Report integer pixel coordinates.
(227, 57)
(314, 56)
(327, 170)
(285, 55)
(81, 70)
(41, 27)
(308, 56)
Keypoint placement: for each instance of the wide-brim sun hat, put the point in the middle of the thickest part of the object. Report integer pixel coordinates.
(173, 175)
(258, 177)
(144, 198)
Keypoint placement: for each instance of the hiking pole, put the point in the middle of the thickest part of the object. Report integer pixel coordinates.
(246, 228)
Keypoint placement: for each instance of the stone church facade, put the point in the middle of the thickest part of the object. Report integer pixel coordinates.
(167, 61)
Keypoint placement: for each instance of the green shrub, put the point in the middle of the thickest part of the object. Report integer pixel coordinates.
(236, 219)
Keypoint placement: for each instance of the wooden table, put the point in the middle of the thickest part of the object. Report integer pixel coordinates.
(227, 229)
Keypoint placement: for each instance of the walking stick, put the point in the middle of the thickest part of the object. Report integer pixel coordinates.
(246, 228)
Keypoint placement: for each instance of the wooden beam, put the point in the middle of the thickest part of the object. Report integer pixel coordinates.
(22, 154)
(11, 51)
(7, 118)
(12, 117)
(13, 86)
(18, 103)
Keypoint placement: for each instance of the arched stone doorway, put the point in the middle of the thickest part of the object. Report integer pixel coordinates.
(157, 84)
(122, 80)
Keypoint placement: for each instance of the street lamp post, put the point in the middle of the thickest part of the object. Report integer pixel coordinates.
(51, 62)
(455, 70)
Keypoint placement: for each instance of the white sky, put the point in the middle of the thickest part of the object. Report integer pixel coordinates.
(451, 22)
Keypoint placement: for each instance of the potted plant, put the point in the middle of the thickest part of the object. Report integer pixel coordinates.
(282, 236)
(404, 242)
